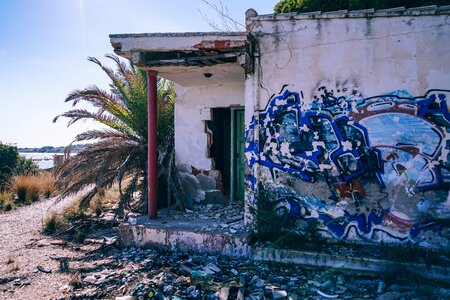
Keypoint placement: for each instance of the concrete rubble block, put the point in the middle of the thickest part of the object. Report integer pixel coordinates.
(215, 197)
(184, 168)
(207, 183)
(279, 294)
(191, 186)
(216, 175)
(125, 298)
(90, 279)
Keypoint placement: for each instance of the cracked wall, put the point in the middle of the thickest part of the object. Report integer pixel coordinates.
(347, 125)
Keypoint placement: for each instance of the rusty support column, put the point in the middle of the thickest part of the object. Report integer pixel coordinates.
(152, 144)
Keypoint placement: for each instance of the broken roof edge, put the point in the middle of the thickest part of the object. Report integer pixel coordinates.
(180, 34)
(364, 13)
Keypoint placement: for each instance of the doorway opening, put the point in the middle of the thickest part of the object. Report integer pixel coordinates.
(227, 149)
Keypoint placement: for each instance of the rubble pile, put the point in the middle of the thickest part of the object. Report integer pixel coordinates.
(153, 274)
(210, 217)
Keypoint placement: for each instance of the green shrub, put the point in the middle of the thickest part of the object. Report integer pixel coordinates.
(26, 166)
(8, 162)
(80, 235)
(286, 6)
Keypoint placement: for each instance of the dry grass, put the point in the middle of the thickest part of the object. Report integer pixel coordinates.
(10, 260)
(105, 200)
(6, 201)
(26, 187)
(47, 181)
(14, 265)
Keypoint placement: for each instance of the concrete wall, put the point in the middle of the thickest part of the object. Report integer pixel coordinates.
(347, 125)
(192, 108)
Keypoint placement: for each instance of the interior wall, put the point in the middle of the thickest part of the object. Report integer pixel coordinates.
(192, 108)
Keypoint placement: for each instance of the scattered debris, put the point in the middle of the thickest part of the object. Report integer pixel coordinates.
(44, 270)
(137, 273)
(326, 295)
(43, 243)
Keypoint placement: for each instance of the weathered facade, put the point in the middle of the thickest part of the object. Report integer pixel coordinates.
(346, 117)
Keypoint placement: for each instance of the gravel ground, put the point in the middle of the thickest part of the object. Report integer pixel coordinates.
(35, 266)
(24, 248)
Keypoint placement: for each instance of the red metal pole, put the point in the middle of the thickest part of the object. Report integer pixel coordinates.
(152, 145)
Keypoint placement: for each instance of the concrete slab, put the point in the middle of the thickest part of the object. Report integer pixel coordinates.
(357, 264)
(201, 236)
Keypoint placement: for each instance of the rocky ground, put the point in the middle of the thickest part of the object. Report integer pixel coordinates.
(35, 266)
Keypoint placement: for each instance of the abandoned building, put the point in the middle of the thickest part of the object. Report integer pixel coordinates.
(341, 117)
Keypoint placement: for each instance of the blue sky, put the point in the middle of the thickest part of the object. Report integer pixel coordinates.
(44, 45)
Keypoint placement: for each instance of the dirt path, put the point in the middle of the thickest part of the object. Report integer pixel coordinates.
(23, 248)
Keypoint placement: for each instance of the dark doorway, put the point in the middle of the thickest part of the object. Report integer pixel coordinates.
(220, 150)
(227, 149)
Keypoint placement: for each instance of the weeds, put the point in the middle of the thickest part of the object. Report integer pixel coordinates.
(15, 267)
(10, 260)
(55, 223)
(80, 235)
(270, 225)
(76, 281)
(6, 201)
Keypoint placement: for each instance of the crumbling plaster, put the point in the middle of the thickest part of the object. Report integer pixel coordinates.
(192, 109)
(379, 54)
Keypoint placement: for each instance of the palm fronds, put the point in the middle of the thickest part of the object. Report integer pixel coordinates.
(120, 148)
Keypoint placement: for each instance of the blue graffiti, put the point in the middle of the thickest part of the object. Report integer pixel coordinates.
(347, 141)
(300, 207)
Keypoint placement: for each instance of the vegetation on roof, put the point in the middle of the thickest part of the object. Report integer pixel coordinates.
(287, 6)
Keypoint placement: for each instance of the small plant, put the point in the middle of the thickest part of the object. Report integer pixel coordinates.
(8, 206)
(97, 206)
(74, 212)
(10, 260)
(80, 235)
(20, 187)
(15, 267)
(76, 281)
(54, 223)
(6, 201)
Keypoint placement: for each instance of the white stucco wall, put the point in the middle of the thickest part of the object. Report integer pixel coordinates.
(377, 54)
(192, 108)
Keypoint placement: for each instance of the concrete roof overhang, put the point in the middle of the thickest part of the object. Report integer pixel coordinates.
(189, 59)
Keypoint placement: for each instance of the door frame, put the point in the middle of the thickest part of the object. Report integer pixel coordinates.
(233, 151)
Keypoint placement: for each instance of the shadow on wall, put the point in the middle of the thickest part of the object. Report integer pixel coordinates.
(366, 168)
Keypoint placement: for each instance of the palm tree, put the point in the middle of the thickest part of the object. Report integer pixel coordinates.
(120, 149)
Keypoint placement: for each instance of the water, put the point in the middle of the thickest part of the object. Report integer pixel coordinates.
(43, 160)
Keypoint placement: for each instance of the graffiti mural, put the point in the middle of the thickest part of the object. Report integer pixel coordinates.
(370, 167)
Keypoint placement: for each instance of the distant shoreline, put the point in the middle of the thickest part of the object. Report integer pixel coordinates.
(50, 149)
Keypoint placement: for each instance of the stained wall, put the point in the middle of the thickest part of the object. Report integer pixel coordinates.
(192, 108)
(347, 125)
